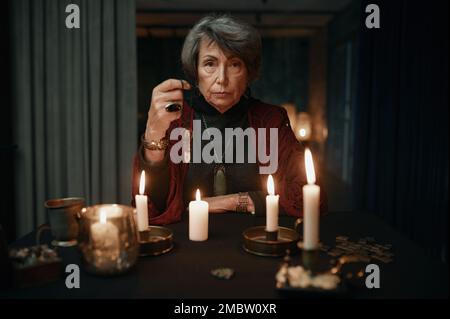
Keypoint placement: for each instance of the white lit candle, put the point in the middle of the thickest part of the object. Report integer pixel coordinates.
(105, 239)
(311, 198)
(271, 206)
(198, 219)
(141, 205)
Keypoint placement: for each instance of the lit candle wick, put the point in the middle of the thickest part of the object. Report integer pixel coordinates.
(271, 206)
(142, 183)
(198, 218)
(311, 200)
(142, 205)
(270, 185)
(310, 173)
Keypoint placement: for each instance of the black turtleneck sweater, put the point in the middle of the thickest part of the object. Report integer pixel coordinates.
(240, 177)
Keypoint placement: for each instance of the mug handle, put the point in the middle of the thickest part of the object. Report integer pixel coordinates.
(39, 231)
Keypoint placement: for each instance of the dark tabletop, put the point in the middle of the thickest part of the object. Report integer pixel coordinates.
(185, 271)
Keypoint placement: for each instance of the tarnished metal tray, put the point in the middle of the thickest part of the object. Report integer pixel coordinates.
(155, 241)
(256, 241)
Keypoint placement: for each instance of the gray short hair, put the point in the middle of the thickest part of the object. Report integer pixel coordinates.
(231, 35)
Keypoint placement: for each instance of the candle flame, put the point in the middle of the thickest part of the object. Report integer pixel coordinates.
(102, 217)
(270, 186)
(142, 183)
(197, 195)
(302, 132)
(309, 165)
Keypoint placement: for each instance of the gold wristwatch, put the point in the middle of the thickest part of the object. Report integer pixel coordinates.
(153, 145)
(242, 204)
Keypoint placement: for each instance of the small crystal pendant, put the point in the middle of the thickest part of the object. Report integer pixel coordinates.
(220, 180)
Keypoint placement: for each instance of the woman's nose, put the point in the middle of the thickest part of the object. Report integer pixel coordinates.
(222, 77)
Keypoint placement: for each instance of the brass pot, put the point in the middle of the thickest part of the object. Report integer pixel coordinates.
(108, 239)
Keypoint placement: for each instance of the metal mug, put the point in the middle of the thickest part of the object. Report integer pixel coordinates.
(63, 216)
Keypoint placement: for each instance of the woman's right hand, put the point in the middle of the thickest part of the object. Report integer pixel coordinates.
(158, 121)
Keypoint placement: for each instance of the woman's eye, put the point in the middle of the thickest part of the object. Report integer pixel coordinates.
(209, 66)
(236, 66)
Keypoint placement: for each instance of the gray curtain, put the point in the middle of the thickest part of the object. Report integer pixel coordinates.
(75, 110)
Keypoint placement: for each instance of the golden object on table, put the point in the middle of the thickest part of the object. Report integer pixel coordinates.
(108, 239)
(155, 241)
(257, 242)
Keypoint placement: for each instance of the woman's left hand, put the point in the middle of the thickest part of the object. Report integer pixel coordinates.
(226, 203)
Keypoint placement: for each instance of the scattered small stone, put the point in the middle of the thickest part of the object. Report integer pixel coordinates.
(30, 256)
(223, 273)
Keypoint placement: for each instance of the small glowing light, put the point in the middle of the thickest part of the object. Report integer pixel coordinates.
(302, 132)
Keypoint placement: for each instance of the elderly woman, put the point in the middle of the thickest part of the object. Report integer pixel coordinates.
(221, 57)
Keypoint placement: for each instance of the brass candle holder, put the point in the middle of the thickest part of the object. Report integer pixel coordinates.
(271, 235)
(154, 241)
(258, 241)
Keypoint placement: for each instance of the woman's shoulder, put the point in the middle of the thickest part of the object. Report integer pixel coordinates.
(265, 112)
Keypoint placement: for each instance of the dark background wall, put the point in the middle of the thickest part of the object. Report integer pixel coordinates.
(400, 161)
(342, 66)
(158, 60)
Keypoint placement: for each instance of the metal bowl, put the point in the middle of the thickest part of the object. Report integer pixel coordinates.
(155, 241)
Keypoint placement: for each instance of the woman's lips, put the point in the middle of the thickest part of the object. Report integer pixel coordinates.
(220, 94)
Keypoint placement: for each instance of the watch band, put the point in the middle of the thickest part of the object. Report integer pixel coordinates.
(153, 145)
(242, 204)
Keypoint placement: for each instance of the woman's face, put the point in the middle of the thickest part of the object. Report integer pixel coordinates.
(222, 78)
